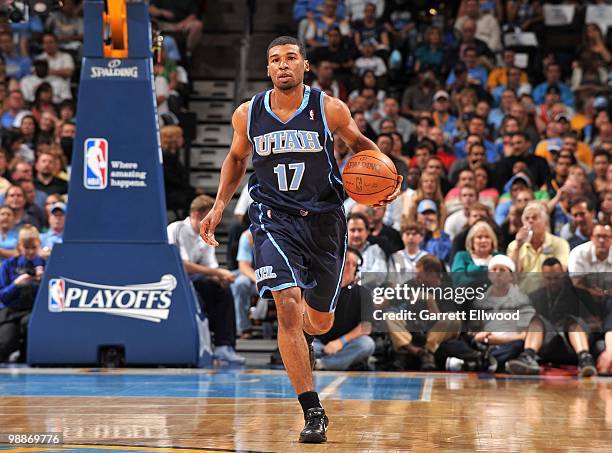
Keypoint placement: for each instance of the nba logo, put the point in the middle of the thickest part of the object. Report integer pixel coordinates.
(56, 294)
(96, 163)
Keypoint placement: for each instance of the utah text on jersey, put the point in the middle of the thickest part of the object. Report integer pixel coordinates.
(289, 141)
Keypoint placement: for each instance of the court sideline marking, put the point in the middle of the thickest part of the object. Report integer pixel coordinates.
(332, 387)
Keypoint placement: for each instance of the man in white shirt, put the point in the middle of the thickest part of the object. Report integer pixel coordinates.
(487, 26)
(210, 281)
(60, 63)
(457, 220)
(29, 84)
(595, 258)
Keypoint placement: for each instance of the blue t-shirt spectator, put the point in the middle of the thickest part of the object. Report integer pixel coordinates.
(50, 238)
(10, 293)
(539, 92)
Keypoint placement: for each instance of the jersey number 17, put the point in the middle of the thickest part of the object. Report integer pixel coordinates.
(281, 172)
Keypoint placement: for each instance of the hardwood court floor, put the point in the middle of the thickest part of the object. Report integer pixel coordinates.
(250, 410)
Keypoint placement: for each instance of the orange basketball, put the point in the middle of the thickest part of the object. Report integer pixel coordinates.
(369, 177)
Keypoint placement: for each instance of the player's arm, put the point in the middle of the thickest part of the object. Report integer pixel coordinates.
(232, 171)
(340, 121)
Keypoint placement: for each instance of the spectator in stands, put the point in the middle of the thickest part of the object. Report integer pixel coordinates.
(385, 236)
(443, 153)
(374, 259)
(8, 233)
(43, 100)
(452, 200)
(593, 45)
(404, 261)
(16, 199)
(326, 81)
(391, 111)
(498, 114)
(244, 288)
(17, 66)
(481, 245)
(431, 54)
(55, 235)
(28, 128)
(13, 107)
(556, 332)
(35, 200)
(580, 229)
(487, 26)
(428, 189)
(61, 63)
(477, 212)
(534, 244)
(553, 78)
(477, 126)
(442, 116)
(348, 342)
(538, 167)
(337, 53)
(368, 61)
(19, 281)
(504, 296)
(417, 98)
(601, 161)
(436, 241)
(320, 24)
(47, 124)
(67, 25)
(477, 74)
(371, 29)
(176, 176)
(456, 221)
(179, 16)
(524, 14)
(468, 39)
(499, 76)
(210, 281)
(45, 179)
(422, 339)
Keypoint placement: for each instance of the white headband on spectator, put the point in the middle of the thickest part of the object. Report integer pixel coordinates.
(502, 260)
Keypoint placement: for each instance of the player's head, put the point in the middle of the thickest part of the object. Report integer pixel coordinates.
(286, 62)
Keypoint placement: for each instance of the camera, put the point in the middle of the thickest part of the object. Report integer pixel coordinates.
(20, 10)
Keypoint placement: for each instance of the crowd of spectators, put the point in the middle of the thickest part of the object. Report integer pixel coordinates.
(505, 150)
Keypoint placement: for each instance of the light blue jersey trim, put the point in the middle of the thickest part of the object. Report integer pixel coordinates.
(335, 298)
(331, 171)
(276, 246)
(249, 120)
(323, 114)
(276, 288)
(297, 112)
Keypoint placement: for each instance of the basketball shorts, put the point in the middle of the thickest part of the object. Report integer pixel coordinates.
(303, 251)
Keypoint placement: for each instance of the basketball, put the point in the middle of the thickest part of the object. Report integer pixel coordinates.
(369, 177)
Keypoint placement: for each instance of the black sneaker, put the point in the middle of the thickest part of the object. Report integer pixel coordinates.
(311, 354)
(315, 426)
(428, 362)
(586, 365)
(526, 363)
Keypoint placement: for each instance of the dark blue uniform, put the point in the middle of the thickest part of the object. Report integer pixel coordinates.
(297, 220)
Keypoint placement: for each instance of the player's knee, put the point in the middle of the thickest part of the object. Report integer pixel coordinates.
(321, 324)
(288, 313)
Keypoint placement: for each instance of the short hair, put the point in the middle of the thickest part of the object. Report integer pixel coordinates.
(426, 143)
(201, 204)
(283, 40)
(477, 144)
(472, 232)
(590, 204)
(537, 206)
(522, 134)
(412, 226)
(478, 206)
(27, 234)
(429, 263)
(358, 216)
(601, 152)
(550, 262)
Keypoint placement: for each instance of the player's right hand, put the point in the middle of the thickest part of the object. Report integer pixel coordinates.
(208, 226)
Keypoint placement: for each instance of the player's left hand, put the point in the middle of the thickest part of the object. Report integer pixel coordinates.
(208, 226)
(332, 347)
(396, 193)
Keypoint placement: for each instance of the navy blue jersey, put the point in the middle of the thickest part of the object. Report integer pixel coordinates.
(295, 168)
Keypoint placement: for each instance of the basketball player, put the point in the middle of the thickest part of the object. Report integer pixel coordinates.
(297, 221)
